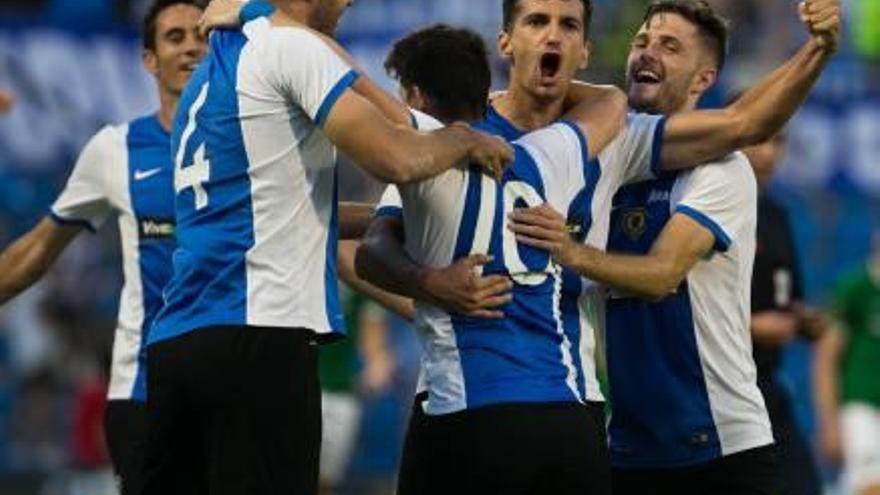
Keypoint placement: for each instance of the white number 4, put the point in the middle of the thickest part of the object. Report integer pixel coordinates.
(196, 174)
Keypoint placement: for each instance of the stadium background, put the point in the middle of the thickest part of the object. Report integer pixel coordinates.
(74, 65)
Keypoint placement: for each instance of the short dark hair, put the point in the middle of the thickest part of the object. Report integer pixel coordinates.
(449, 65)
(713, 28)
(157, 7)
(511, 9)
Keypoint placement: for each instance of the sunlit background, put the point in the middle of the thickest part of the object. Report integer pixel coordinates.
(74, 66)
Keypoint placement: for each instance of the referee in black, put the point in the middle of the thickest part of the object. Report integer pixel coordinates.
(779, 317)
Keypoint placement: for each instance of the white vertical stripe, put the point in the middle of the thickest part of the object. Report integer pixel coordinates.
(127, 339)
(291, 170)
(442, 366)
(486, 217)
(565, 344)
(591, 309)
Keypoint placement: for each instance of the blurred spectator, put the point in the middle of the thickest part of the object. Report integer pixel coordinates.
(778, 318)
(847, 384)
(6, 101)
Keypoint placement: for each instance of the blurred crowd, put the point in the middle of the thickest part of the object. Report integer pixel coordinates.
(55, 340)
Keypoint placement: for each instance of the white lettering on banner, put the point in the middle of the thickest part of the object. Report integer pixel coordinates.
(66, 87)
(863, 130)
(811, 154)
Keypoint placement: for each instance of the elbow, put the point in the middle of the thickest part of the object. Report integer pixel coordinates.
(750, 131)
(362, 262)
(397, 168)
(664, 284)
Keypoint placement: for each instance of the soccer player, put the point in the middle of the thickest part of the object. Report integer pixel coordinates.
(846, 369)
(688, 417)
(234, 401)
(491, 377)
(124, 170)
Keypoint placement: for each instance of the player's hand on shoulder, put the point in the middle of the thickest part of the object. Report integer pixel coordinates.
(544, 228)
(220, 14)
(492, 153)
(823, 19)
(458, 289)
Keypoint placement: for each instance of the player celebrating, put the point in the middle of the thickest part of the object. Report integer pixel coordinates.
(688, 416)
(234, 400)
(126, 170)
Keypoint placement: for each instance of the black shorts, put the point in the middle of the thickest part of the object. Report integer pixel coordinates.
(234, 411)
(125, 428)
(557, 448)
(753, 472)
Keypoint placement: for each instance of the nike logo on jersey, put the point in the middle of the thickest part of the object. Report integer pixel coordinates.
(146, 174)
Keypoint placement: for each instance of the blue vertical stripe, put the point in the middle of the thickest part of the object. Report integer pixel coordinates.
(331, 289)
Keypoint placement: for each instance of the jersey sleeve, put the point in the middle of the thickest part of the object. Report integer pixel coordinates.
(718, 196)
(640, 147)
(307, 71)
(561, 154)
(254, 9)
(390, 205)
(84, 200)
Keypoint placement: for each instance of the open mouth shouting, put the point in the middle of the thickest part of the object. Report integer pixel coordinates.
(549, 66)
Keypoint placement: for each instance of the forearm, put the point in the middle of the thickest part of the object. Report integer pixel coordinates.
(354, 219)
(825, 378)
(643, 276)
(773, 328)
(382, 260)
(21, 265)
(766, 108)
(697, 137)
(347, 273)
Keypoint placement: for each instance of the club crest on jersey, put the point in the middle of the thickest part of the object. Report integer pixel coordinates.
(634, 222)
(156, 228)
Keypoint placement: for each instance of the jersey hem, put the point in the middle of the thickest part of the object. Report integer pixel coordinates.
(323, 333)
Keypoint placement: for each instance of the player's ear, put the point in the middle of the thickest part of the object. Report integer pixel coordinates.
(151, 62)
(504, 46)
(704, 79)
(585, 55)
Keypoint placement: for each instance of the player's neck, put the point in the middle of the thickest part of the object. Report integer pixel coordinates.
(525, 111)
(167, 108)
(298, 12)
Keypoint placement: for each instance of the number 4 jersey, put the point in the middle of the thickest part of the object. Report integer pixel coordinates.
(539, 352)
(256, 186)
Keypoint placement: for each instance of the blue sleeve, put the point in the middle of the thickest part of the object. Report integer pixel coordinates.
(254, 10)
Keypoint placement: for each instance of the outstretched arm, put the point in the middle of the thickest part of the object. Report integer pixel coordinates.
(697, 137)
(680, 246)
(26, 261)
(383, 261)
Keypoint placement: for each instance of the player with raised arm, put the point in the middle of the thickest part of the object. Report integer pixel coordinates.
(688, 417)
(234, 400)
(488, 378)
(124, 170)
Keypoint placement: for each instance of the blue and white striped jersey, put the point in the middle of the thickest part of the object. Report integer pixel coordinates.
(682, 377)
(127, 170)
(256, 185)
(543, 351)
